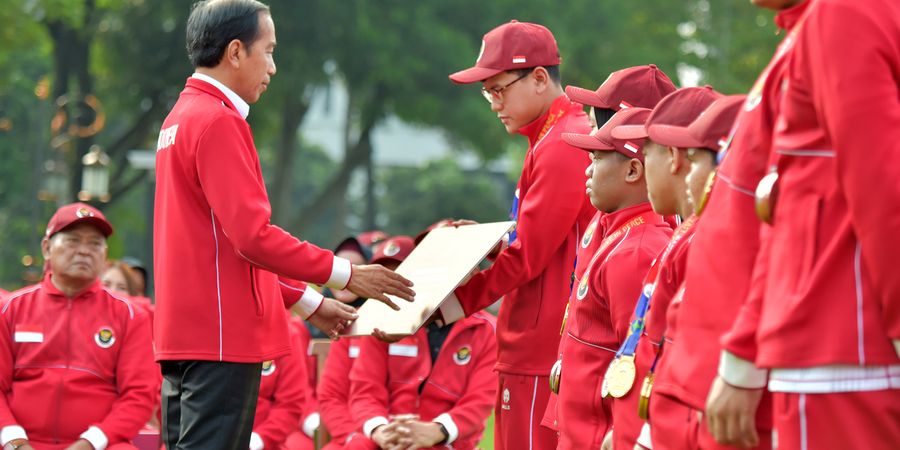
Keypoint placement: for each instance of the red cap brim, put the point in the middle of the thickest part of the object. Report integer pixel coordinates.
(473, 75)
(103, 226)
(585, 142)
(673, 136)
(585, 97)
(629, 132)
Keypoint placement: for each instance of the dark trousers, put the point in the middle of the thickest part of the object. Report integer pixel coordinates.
(208, 405)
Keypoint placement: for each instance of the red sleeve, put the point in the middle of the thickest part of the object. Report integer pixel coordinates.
(333, 391)
(853, 50)
(135, 381)
(301, 339)
(550, 209)
(7, 361)
(369, 396)
(474, 407)
(287, 406)
(229, 174)
(621, 281)
(291, 291)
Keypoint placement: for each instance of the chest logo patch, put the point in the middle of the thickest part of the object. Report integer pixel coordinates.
(505, 399)
(268, 368)
(463, 355)
(588, 235)
(105, 338)
(391, 249)
(582, 287)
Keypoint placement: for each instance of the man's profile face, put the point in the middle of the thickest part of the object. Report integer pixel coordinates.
(518, 104)
(257, 63)
(77, 253)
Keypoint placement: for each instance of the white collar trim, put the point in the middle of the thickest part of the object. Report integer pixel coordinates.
(243, 108)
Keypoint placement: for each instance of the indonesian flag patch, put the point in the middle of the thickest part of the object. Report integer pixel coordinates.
(28, 333)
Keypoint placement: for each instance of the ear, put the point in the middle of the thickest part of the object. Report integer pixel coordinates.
(45, 248)
(541, 79)
(635, 171)
(677, 160)
(233, 53)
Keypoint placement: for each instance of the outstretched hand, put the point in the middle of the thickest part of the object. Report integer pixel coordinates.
(377, 282)
(332, 317)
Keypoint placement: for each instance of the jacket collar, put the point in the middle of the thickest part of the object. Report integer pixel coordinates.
(560, 106)
(614, 220)
(50, 289)
(213, 87)
(788, 18)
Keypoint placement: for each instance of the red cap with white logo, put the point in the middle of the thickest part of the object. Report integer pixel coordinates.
(395, 249)
(76, 213)
(634, 87)
(511, 46)
(602, 139)
(710, 130)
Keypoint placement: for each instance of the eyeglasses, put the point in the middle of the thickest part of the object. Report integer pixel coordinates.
(495, 94)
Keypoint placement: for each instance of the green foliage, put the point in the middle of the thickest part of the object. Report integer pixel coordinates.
(416, 197)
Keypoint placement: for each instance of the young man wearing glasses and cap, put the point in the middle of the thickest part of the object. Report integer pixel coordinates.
(518, 68)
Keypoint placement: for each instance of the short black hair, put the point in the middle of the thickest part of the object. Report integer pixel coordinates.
(553, 71)
(603, 115)
(213, 24)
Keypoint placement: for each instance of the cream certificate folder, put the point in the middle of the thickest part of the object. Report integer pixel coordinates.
(437, 266)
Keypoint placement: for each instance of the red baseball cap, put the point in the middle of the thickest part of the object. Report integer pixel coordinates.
(634, 87)
(395, 249)
(710, 130)
(678, 109)
(371, 238)
(602, 139)
(439, 224)
(75, 213)
(511, 46)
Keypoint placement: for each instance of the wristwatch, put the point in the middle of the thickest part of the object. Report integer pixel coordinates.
(15, 444)
(444, 432)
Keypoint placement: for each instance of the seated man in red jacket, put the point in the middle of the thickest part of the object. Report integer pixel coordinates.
(76, 363)
(283, 389)
(437, 385)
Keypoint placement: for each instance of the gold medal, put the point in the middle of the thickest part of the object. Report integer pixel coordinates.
(555, 374)
(765, 197)
(706, 192)
(644, 401)
(565, 318)
(620, 376)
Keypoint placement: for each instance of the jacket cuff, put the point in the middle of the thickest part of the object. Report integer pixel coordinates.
(256, 442)
(448, 423)
(11, 432)
(309, 303)
(741, 373)
(451, 309)
(370, 425)
(341, 269)
(311, 424)
(96, 437)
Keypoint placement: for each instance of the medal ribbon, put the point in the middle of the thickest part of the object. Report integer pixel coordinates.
(636, 328)
(554, 116)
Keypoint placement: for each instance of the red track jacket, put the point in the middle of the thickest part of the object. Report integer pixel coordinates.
(215, 252)
(283, 390)
(534, 274)
(459, 388)
(829, 272)
(67, 365)
(726, 243)
(333, 391)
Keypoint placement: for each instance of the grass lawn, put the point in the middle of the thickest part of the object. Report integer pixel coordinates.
(487, 441)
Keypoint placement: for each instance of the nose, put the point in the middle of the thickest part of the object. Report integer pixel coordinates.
(496, 105)
(272, 68)
(589, 171)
